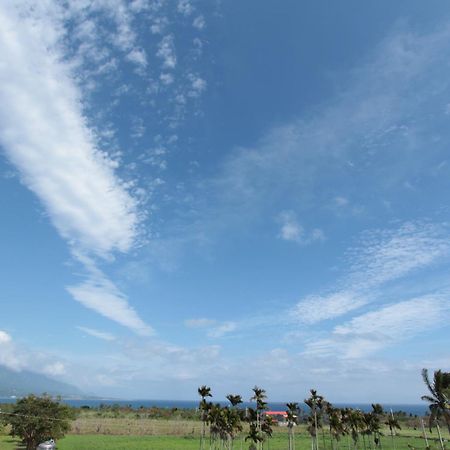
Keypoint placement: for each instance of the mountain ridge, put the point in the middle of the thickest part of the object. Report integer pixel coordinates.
(21, 383)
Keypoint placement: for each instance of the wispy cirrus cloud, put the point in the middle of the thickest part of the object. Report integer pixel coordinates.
(347, 141)
(214, 328)
(292, 230)
(382, 257)
(166, 51)
(100, 294)
(103, 335)
(45, 134)
(222, 329)
(199, 323)
(374, 330)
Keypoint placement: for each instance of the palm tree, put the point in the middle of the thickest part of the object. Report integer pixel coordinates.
(336, 424)
(314, 402)
(204, 406)
(355, 423)
(234, 399)
(234, 418)
(261, 405)
(292, 415)
(393, 425)
(254, 433)
(377, 413)
(439, 396)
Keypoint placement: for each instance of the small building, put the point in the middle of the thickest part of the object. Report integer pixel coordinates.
(278, 417)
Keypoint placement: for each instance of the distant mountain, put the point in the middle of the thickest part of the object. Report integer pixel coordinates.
(26, 382)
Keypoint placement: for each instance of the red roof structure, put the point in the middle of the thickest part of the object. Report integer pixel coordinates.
(276, 413)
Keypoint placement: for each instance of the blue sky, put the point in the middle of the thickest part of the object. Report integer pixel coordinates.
(226, 193)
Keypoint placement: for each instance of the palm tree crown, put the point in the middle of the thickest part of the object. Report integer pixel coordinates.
(439, 400)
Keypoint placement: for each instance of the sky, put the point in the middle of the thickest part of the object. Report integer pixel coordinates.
(226, 193)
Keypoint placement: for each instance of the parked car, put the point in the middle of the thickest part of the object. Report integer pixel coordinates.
(47, 445)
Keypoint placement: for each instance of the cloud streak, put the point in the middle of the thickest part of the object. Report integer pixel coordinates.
(377, 329)
(97, 334)
(382, 257)
(102, 295)
(46, 136)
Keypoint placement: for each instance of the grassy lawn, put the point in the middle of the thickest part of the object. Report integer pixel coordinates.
(278, 442)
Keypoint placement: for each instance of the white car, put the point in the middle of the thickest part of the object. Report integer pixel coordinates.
(47, 445)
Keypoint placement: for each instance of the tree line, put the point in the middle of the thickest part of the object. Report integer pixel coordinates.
(360, 429)
(35, 419)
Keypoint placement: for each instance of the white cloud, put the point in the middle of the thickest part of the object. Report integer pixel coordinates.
(374, 112)
(57, 368)
(166, 51)
(382, 257)
(97, 334)
(316, 308)
(17, 357)
(291, 230)
(138, 56)
(101, 295)
(199, 323)
(167, 78)
(375, 330)
(341, 201)
(199, 23)
(45, 135)
(222, 329)
(387, 255)
(198, 85)
(185, 7)
(4, 337)
(214, 328)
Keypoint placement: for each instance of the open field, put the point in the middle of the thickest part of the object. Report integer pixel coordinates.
(179, 434)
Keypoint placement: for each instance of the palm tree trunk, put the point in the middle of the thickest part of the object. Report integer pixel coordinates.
(447, 420)
(202, 437)
(323, 439)
(393, 440)
(424, 434)
(440, 436)
(315, 426)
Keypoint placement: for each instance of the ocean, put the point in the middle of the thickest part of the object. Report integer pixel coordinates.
(414, 409)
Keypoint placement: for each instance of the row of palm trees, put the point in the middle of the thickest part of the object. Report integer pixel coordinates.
(361, 429)
(226, 422)
(354, 424)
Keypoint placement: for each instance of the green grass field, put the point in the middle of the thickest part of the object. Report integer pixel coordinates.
(164, 442)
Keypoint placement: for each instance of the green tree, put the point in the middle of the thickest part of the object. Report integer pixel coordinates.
(292, 417)
(235, 417)
(392, 423)
(204, 407)
(439, 396)
(37, 419)
(377, 414)
(315, 404)
(337, 426)
(260, 425)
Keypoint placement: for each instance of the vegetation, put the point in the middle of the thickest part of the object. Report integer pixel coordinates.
(37, 419)
(439, 396)
(230, 426)
(292, 417)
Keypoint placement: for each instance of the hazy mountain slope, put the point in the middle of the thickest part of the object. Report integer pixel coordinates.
(26, 382)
